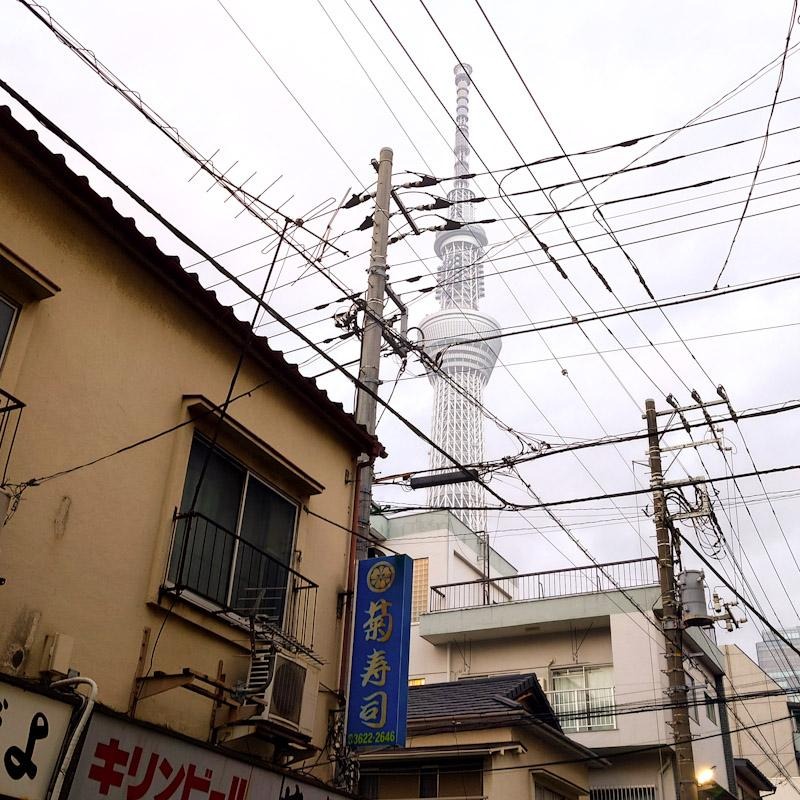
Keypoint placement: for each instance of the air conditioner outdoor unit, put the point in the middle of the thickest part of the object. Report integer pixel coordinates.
(287, 689)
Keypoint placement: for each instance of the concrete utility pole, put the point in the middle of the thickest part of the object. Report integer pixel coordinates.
(671, 621)
(372, 335)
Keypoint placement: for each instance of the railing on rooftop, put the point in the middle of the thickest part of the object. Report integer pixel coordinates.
(10, 414)
(545, 585)
(237, 578)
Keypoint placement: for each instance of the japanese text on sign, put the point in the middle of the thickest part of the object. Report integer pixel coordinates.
(123, 761)
(32, 730)
(377, 702)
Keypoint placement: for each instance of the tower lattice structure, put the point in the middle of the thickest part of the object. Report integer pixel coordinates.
(453, 335)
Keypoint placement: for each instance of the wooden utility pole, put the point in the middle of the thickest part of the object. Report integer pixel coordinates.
(670, 620)
(372, 336)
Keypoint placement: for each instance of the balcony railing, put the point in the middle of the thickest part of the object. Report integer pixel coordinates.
(544, 585)
(584, 709)
(240, 579)
(10, 414)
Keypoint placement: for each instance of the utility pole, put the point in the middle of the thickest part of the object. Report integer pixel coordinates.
(372, 337)
(671, 621)
(346, 766)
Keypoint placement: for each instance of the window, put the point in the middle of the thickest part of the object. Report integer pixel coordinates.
(711, 710)
(8, 313)
(416, 681)
(543, 793)
(429, 783)
(583, 698)
(623, 793)
(368, 786)
(235, 548)
(419, 589)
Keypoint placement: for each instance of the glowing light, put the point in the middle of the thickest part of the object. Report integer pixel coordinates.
(705, 776)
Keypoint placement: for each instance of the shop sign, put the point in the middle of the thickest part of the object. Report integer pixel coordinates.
(123, 761)
(378, 698)
(32, 730)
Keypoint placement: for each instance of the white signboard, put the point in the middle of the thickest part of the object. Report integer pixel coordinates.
(122, 761)
(32, 730)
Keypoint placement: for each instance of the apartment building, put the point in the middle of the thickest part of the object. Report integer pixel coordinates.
(209, 618)
(591, 636)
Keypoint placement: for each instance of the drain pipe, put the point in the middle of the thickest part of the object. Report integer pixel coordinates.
(725, 729)
(352, 558)
(69, 754)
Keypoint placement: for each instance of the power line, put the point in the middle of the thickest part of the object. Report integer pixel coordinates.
(698, 184)
(765, 143)
(722, 334)
(618, 145)
(171, 132)
(541, 244)
(592, 498)
(598, 211)
(508, 461)
(650, 748)
(612, 234)
(696, 212)
(665, 303)
(423, 355)
(185, 239)
(425, 79)
(134, 99)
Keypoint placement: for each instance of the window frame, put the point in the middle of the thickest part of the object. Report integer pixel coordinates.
(428, 774)
(421, 607)
(579, 724)
(16, 309)
(195, 597)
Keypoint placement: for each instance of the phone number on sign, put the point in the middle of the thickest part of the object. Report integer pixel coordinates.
(377, 737)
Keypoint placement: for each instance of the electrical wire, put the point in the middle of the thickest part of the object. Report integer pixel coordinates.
(765, 142)
(598, 211)
(624, 144)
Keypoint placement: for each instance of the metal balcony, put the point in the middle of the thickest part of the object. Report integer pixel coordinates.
(584, 709)
(237, 578)
(10, 414)
(609, 577)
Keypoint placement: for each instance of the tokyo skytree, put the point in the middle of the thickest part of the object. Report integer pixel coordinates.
(457, 418)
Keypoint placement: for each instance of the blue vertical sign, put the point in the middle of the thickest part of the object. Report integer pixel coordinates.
(378, 699)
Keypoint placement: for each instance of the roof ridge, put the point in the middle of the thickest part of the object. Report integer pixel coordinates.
(185, 283)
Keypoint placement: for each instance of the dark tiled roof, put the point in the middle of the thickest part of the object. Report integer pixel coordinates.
(480, 697)
(54, 169)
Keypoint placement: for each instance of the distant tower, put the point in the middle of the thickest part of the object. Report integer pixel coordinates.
(457, 420)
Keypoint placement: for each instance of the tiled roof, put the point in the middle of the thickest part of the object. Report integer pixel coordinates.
(54, 169)
(501, 694)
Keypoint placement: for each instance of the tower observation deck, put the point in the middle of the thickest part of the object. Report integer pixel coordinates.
(450, 334)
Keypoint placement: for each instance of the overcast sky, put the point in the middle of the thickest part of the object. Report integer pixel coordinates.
(602, 73)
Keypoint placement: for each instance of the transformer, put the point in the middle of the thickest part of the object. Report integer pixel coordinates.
(692, 591)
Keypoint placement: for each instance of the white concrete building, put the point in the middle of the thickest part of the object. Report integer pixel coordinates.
(590, 635)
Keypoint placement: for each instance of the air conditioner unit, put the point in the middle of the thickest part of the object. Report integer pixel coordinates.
(285, 688)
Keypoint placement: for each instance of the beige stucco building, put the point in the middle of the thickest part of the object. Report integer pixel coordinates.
(116, 566)
(765, 744)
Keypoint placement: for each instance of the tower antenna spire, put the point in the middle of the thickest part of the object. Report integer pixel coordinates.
(457, 415)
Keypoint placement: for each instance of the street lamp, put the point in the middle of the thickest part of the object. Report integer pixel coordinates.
(705, 776)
